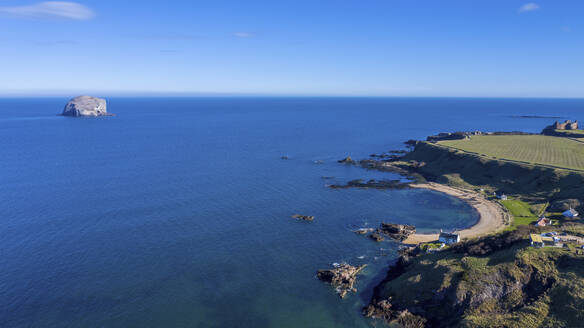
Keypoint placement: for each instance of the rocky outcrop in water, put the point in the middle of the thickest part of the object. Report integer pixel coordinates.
(377, 237)
(303, 217)
(342, 277)
(398, 232)
(86, 106)
(347, 160)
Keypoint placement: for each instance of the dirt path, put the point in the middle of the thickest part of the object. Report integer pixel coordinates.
(491, 215)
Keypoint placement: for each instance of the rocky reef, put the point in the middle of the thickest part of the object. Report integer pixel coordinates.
(342, 277)
(86, 106)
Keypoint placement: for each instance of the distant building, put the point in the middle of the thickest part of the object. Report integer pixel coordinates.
(567, 125)
(502, 196)
(543, 222)
(571, 213)
(449, 238)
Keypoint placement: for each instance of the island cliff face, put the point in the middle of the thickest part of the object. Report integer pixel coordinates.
(86, 106)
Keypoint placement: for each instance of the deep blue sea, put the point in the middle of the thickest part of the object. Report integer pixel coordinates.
(176, 212)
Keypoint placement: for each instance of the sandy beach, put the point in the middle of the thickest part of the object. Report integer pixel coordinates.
(491, 215)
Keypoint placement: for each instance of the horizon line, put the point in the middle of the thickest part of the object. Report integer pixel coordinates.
(162, 94)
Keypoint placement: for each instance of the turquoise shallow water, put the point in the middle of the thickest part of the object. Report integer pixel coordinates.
(176, 212)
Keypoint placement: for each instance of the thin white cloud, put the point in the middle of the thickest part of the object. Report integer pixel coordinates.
(566, 29)
(242, 35)
(50, 10)
(532, 6)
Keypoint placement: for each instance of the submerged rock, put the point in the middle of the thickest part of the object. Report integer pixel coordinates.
(342, 277)
(303, 217)
(86, 106)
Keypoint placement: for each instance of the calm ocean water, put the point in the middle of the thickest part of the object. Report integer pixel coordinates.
(176, 212)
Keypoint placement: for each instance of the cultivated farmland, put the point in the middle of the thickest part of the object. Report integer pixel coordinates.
(533, 149)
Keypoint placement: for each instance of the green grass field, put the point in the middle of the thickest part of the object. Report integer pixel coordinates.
(521, 212)
(532, 149)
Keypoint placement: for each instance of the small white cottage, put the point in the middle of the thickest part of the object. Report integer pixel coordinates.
(449, 238)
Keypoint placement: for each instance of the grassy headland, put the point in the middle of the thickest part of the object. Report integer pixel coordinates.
(527, 149)
(510, 174)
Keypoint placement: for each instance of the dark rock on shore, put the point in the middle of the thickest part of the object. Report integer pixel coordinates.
(303, 217)
(411, 142)
(376, 184)
(342, 277)
(398, 232)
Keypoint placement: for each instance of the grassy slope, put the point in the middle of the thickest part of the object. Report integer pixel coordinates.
(459, 168)
(533, 149)
(570, 133)
(476, 285)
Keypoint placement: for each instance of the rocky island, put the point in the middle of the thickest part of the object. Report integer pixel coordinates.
(86, 106)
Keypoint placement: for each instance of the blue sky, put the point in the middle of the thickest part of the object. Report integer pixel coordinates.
(503, 48)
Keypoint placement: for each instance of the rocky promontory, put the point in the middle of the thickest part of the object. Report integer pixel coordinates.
(86, 106)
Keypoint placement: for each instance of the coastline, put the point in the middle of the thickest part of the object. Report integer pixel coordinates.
(491, 215)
